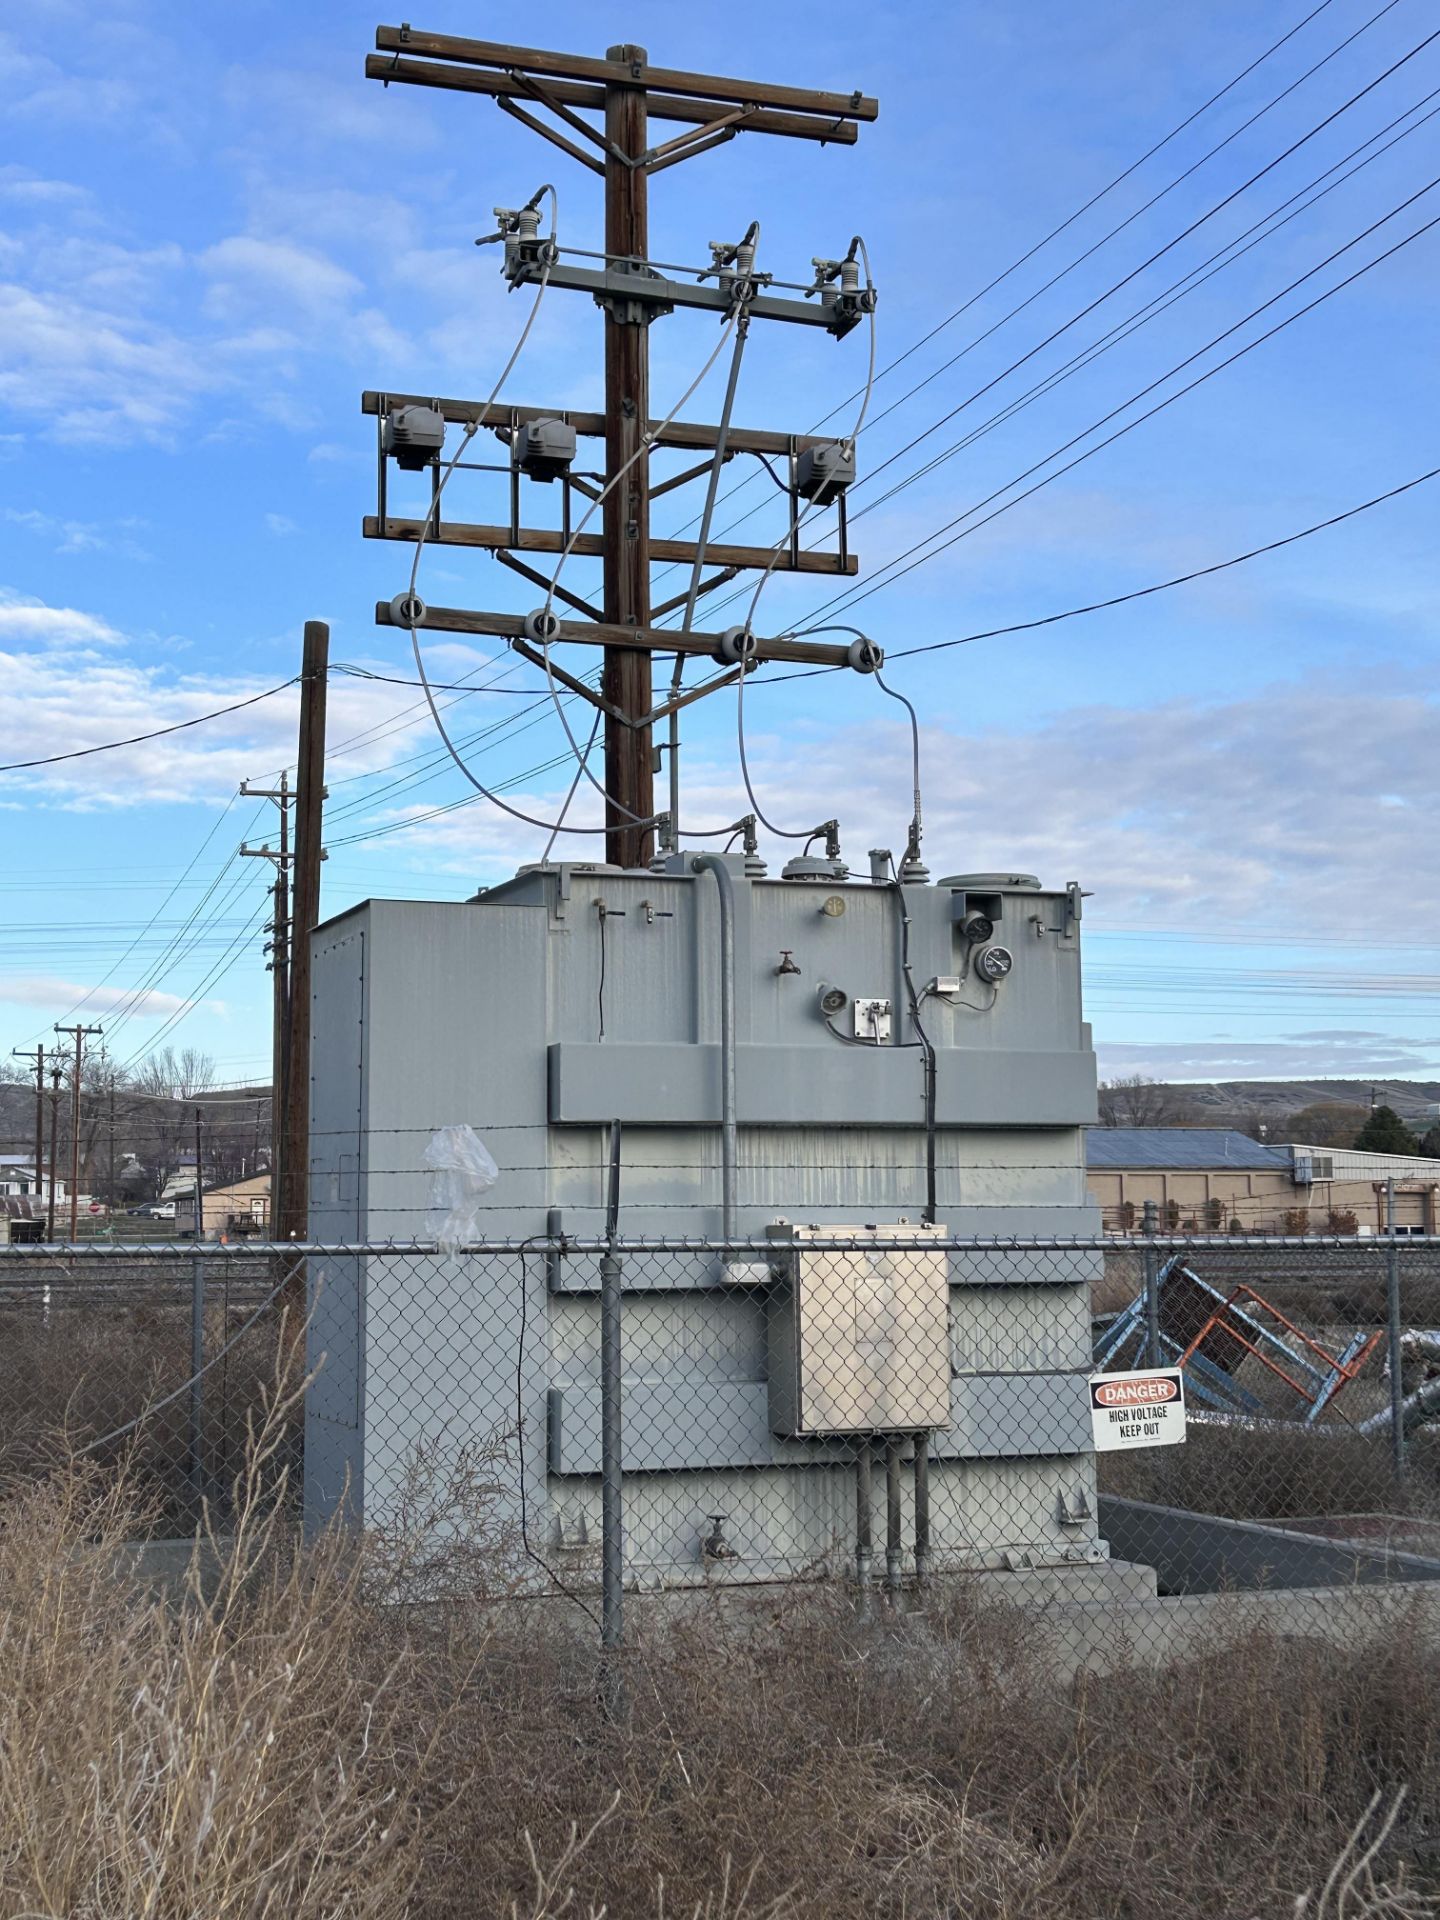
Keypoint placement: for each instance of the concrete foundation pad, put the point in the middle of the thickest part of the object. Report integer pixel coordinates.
(1099, 1618)
(1110, 1583)
(1099, 1637)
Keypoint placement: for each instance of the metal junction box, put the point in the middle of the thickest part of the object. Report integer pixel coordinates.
(859, 1341)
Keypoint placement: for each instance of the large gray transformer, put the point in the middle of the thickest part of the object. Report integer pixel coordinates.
(757, 1040)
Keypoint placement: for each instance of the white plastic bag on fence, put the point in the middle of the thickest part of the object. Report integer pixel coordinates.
(461, 1174)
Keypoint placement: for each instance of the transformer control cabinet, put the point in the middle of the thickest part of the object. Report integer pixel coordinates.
(859, 1340)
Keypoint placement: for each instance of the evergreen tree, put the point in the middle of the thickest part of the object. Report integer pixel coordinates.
(1431, 1143)
(1386, 1132)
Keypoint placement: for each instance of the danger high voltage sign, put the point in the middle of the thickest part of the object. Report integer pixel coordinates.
(1137, 1409)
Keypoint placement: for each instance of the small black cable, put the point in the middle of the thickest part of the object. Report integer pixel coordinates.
(1135, 593)
(857, 1040)
(600, 995)
(925, 1042)
(526, 1248)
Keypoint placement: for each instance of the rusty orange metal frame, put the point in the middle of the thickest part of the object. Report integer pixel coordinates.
(1219, 1322)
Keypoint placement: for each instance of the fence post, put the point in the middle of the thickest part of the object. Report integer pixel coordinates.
(1149, 1224)
(1392, 1316)
(197, 1384)
(612, 1498)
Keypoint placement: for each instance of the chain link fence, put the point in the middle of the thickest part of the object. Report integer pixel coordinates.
(884, 1409)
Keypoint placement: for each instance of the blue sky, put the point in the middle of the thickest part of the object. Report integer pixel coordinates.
(214, 233)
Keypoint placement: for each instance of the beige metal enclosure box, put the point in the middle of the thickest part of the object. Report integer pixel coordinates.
(859, 1340)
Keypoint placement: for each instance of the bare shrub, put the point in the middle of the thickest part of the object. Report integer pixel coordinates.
(74, 1375)
(231, 1755)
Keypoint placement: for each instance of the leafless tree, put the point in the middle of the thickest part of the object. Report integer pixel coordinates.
(179, 1076)
(1326, 1123)
(1132, 1100)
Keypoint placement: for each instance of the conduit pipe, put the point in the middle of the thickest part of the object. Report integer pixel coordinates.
(864, 1546)
(714, 863)
(922, 1508)
(894, 1537)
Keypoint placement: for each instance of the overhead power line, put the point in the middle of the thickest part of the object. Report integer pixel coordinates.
(1142, 593)
(138, 739)
(843, 602)
(1169, 246)
(1188, 282)
(1079, 212)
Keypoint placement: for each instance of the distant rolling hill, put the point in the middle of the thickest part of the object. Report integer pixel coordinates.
(1413, 1100)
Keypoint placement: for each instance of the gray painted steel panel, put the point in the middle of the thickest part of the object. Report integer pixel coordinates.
(777, 1084)
(489, 1012)
(1012, 1416)
(688, 1423)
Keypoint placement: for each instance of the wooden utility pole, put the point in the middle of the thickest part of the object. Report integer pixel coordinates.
(279, 969)
(624, 95)
(199, 1183)
(38, 1056)
(54, 1148)
(79, 1033)
(305, 914)
(280, 999)
(626, 681)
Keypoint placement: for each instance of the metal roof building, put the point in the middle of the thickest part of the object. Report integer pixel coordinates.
(1181, 1147)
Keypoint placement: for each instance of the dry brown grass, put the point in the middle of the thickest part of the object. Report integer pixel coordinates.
(77, 1374)
(233, 1754)
(292, 1736)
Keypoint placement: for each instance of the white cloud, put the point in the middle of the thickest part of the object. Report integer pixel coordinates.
(21, 185)
(1321, 1054)
(1264, 809)
(23, 618)
(122, 376)
(68, 695)
(248, 274)
(48, 991)
(79, 536)
(280, 524)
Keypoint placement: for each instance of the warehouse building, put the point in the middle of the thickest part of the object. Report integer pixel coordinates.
(1205, 1179)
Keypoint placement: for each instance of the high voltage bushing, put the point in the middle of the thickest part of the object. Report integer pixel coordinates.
(526, 254)
(843, 301)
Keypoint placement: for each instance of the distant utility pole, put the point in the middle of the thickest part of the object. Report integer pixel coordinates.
(626, 93)
(54, 1149)
(279, 967)
(38, 1056)
(79, 1033)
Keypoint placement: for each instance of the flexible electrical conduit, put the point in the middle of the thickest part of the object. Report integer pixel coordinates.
(714, 863)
